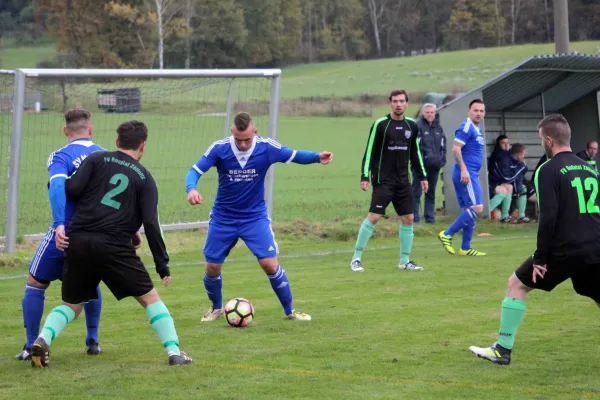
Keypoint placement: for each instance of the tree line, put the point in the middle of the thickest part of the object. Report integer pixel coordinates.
(264, 33)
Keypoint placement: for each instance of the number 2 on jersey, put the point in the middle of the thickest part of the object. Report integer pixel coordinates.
(588, 184)
(122, 181)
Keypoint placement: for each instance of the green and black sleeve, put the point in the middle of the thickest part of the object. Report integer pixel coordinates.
(373, 146)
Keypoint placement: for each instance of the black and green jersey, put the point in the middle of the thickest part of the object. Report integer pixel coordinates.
(392, 144)
(115, 195)
(569, 215)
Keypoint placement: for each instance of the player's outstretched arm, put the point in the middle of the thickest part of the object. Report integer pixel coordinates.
(309, 157)
(282, 154)
(148, 204)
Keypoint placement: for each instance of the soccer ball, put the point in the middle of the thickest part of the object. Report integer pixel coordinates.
(239, 312)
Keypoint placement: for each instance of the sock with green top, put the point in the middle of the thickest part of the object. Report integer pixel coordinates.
(406, 241)
(163, 325)
(512, 315)
(364, 234)
(56, 321)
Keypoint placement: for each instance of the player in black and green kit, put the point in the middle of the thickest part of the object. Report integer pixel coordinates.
(567, 191)
(393, 143)
(116, 195)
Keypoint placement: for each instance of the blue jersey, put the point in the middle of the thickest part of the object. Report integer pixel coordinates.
(473, 143)
(241, 193)
(62, 164)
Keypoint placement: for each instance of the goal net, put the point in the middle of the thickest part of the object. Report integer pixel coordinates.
(185, 111)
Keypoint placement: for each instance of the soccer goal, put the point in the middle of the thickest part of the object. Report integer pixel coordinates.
(185, 111)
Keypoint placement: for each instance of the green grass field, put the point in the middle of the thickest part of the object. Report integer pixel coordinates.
(380, 334)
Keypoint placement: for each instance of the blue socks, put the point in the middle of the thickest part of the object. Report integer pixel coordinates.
(279, 283)
(281, 286)
(214, 286)
(92, 310)
(467, 233)
(462, 220)
(33, 309)
(466, 222)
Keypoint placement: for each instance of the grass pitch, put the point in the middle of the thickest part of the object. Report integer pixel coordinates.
(383, 333)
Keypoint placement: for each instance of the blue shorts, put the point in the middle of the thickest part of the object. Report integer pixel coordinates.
(47, 264)
(258, 236)
(468, 195)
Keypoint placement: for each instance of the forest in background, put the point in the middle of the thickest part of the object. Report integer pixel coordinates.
(266, 33)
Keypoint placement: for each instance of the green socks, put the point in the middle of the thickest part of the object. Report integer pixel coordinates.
(522, 205)
(505, 200)
(56, 321)
(512, 316)
(506, 205)
(496, 200)
(163, 325)
(366, 229)
(406, 241)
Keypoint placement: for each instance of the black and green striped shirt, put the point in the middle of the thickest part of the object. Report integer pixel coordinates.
(391, 146)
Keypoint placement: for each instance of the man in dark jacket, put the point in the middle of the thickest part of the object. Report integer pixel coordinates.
(589, 154)
(433, 148)
(507, 172)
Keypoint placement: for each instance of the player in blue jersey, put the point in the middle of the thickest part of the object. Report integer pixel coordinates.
(468, 150)
(47, 264)
(240, 211)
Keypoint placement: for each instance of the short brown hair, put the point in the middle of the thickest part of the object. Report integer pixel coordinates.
(398, 92)
(517, 148)
(475, 101)
(242, 121)
(131, 135)
(77, 119)
(556, 127)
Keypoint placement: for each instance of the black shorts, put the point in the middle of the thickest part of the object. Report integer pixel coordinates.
(400, 196)
(91, 258)
(584, 277)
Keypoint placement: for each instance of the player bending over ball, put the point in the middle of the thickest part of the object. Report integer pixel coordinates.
(567, 239)
(116, 195)
(47, 264)
(393, 142)
(240, 211)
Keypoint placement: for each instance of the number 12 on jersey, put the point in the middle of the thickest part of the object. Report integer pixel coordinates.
(589, 184)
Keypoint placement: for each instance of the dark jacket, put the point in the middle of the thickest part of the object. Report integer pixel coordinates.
(585, 157)
(392, 145)
(506, 168)
(433, 143)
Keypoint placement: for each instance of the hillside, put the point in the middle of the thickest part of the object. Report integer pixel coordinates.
(443, 72)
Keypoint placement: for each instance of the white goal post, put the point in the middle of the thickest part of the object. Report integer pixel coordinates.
(194, 91)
